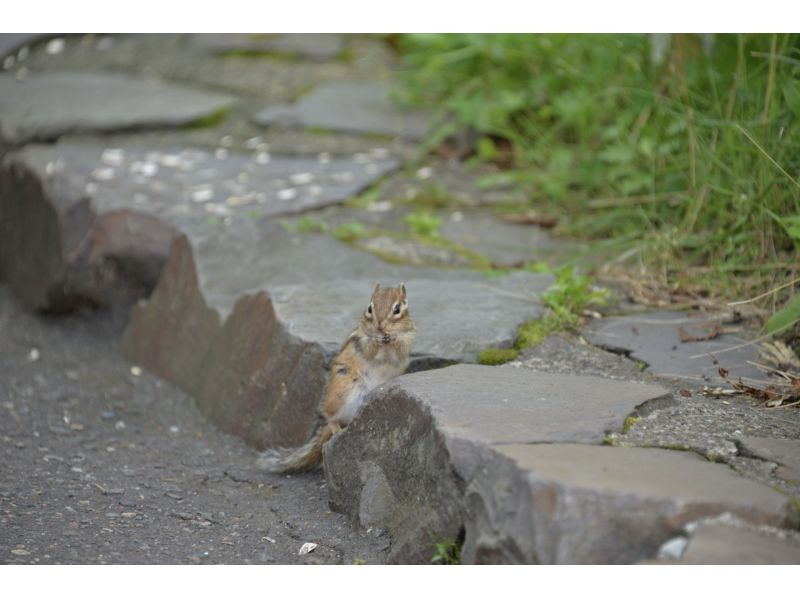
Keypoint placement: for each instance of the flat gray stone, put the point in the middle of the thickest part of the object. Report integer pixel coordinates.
(355, 107)
(783, 451)
(654, 339)
(404, 462)
(721, 544)
(503, 243)
(321, 46)
(47, 105)
(580, 504)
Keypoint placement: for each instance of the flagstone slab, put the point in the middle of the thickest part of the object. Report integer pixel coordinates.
(579, 504)
(406, 460)
(654, 338)
(45, 106)
(354, 107)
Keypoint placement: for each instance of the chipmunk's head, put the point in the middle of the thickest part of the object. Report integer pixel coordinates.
(387, 314)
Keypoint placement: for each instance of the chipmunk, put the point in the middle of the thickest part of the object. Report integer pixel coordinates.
(377, 350)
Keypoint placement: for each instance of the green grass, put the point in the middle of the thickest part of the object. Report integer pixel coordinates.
(691, 164)
(566, 300)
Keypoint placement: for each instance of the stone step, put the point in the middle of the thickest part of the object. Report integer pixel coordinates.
(493, 451)
(349, 106)
(656, 339)
(46, 106)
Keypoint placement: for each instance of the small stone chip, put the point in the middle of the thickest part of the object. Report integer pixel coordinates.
(306, 548)
(136, 370)
(20, 552)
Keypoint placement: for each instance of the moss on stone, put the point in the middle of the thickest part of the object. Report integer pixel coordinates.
(629, 423)
(210, 120)
(493, 356)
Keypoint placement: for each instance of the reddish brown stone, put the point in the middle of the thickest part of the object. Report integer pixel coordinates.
(57, 251)
(248, 375)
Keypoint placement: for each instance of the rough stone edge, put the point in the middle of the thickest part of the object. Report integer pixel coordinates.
(378, 479)
(538, 503)
(73, 255)
(247, 374)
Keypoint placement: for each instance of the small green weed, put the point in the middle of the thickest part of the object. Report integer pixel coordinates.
(306, 224)
(350, 232)
(424, 224)
(447, 553)
(566, 299)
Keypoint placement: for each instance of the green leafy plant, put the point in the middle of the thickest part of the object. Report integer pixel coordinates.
(350, 232)
(566, 299)
(447, 553)
(424, 224)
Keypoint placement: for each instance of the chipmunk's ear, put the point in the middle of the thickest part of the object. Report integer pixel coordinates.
(377, 286)
(403, 291)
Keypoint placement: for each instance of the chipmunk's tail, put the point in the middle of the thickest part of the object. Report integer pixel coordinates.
(304, 458)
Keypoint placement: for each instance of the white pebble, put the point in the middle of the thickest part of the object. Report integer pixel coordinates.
(217, 209)
(425, 172)
(202, 195)
(221, 153)
(170, 161)
(174, 429)
(120, 425)
(306, 548)
(103, 174)
(287, 194)
(262, 158)
(252, 143)
(34, 354)
(226, 141)
(136, 370)
(23, 53)
(8, 62)
(301, 178)
(146, 169)
(55, 46)
(114, 157)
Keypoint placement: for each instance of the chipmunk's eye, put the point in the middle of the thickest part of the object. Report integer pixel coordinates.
(369, 309)
(396, 310)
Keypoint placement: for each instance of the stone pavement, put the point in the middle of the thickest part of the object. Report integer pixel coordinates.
(230, 200)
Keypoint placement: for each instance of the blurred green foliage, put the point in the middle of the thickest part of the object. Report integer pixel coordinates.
(691, 161)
